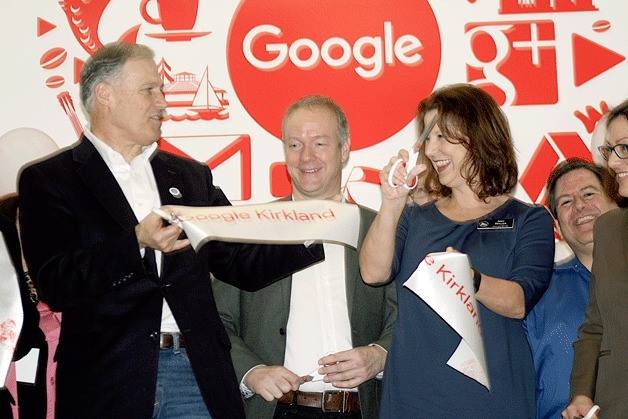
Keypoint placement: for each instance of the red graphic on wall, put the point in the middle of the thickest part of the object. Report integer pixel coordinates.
(84, 18)
(515, 62)
(240, 145)
(545, 6)
(54, 81)
(43, 26)
(53, 58)
(601, 25)
(197, 99)
(77, 67)
(591, 59)
(177, 17)
(554, 146)
(376, 65)
(67, 104)
(280, 184)
(591, 116)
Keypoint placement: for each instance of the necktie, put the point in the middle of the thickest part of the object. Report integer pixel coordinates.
(150, 263)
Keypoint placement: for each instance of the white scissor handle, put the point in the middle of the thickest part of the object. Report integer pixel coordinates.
(171, 218)
(413, 159)
(592, 412)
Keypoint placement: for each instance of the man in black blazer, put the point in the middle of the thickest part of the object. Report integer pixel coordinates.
(128, 288)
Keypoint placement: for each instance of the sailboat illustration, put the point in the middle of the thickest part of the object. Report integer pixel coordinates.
(206, 101)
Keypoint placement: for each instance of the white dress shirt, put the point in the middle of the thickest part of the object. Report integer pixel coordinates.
(137, 182)
(318, 323)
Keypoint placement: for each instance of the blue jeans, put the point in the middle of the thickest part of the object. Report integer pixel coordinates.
(177, 394)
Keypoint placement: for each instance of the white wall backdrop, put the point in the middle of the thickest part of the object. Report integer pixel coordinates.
(231, 68)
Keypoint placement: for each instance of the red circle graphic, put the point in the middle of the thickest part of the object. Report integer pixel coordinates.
(376, 58)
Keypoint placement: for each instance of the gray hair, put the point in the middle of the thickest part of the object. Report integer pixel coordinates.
(315, 101)
(106, 65)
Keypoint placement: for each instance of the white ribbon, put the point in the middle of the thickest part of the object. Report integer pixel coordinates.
(444, 282)
(11, 315)
(275, 222)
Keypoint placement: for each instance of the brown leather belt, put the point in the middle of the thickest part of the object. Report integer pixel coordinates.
(327, 401)
(171, 340)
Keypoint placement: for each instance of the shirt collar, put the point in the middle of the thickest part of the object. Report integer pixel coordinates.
(572, 264)
(113, 158)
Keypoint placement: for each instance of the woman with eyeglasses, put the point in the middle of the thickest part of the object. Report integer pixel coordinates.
(600, 370)
(472, 170)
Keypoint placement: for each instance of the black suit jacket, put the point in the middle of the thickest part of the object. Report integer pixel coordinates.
(78, 236)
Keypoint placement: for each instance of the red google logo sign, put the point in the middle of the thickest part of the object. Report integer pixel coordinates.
(405, 49)
(377, 59)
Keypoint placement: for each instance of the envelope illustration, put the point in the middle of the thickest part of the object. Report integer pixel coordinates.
(228, 156)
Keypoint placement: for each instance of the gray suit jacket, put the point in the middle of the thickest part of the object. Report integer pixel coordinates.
(256, 324)
(601, 354)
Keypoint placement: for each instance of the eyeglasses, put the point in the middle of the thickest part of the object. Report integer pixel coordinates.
(621, 151)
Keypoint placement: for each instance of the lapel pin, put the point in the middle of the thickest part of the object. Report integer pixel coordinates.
(175, 192)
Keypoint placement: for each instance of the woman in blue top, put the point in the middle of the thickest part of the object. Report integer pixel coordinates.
(470, 163)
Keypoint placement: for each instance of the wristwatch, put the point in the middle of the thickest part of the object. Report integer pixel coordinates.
(477, 279)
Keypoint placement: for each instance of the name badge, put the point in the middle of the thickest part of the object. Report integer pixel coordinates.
(496, 224)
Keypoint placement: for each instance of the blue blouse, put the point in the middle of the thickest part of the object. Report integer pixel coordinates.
(417, 381)
(552, 327)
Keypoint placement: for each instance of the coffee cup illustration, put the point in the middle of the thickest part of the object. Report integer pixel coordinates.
(174, 15)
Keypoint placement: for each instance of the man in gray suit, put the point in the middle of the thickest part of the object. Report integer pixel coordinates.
(312, 345)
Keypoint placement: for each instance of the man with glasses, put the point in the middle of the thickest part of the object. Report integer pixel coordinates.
(578, 193)
(620, 150)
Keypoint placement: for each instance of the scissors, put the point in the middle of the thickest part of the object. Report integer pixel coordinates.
(413, 158)
(171, 218)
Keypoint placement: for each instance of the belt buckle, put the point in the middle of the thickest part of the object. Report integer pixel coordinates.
(344, 401)
(176, 340)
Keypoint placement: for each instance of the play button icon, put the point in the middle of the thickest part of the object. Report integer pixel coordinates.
(591, 59)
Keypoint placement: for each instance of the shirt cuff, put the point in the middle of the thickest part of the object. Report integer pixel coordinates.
(246, 392)
(379, 375)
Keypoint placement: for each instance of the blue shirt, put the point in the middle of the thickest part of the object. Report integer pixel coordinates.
(418, 383)
(552, 327)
